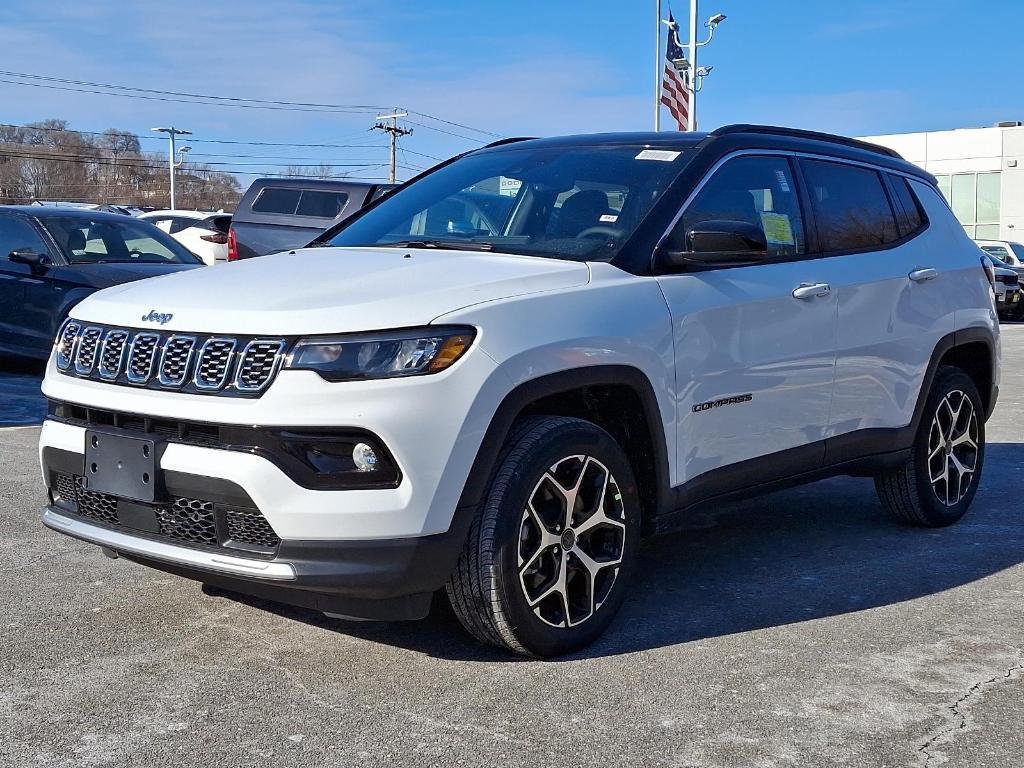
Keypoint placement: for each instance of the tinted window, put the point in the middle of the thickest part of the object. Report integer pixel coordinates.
(16, 233)
(850, 206)
(271, 200)
(326, 205)
(85, 240)
(754, 190)
(1018, 250)
(911, 219)
(566, 202)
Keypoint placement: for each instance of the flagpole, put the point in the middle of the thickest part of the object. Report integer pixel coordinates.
(657, 66)
(691, 116)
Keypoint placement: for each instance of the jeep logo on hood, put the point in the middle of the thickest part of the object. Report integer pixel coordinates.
(157, 317)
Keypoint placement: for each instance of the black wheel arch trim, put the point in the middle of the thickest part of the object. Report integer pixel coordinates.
(529, 392)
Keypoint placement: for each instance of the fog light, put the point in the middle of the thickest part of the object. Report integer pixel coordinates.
(364, 457)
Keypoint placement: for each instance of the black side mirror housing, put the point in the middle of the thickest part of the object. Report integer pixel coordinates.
(29, 256)
(718, 242)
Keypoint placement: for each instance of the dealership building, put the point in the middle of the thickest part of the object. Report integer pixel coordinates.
(980, 171)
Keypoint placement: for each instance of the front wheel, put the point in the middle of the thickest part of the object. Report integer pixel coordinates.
(938, 482)
(549, 555)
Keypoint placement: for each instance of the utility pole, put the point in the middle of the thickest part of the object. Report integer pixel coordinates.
(657, 66)
(171, 133)
(395, 132)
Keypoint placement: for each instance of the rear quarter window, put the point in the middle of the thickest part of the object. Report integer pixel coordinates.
(851, 208)
(911, 219)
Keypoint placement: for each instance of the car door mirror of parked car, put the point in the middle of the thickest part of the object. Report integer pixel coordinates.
(718, 242)
(29, 256)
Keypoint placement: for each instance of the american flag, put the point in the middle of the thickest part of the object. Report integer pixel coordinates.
(674, 93)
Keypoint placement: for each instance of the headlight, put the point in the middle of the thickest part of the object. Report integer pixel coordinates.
(382, 355)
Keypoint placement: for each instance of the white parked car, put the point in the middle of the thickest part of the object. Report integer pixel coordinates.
(494, 381)
(203, 233)
(1010, 253)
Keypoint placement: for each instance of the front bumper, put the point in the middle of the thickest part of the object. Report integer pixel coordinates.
(388, 580)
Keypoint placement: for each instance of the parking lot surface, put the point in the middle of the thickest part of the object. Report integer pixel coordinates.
(801, 629)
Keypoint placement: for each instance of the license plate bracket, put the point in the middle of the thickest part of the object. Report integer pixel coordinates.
(120, 465)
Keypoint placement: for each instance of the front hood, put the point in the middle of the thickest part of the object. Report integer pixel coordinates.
(328, 290)
(105, 275)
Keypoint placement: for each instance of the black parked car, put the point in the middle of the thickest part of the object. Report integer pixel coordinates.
(51, 259)
(281, 214)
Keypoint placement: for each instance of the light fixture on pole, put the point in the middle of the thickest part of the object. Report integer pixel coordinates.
(699, 73)
(171, 133)
(182, 151)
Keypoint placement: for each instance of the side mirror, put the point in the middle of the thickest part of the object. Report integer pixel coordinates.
(719, 242)
(33, 258)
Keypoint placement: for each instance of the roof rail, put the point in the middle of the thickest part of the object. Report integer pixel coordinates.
(725, 130)
(509, 140)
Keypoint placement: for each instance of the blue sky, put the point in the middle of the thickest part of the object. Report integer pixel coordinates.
(529, 67)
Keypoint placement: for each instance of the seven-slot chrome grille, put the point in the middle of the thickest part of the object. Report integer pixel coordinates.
(197, 364)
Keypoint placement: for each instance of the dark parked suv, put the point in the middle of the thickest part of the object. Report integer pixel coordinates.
(51, 259)
(280, 214)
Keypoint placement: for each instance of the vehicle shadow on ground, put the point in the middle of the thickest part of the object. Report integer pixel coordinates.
(21, 401)
(807, 553)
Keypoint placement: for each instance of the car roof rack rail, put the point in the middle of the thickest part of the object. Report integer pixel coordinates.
(799, 133)
(509, 140)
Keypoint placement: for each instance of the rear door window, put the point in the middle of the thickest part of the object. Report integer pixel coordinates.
(851, 208)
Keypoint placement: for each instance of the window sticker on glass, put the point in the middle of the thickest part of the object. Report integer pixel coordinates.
(780, 176)
(664, 155)
(777, 229)
(608, 218)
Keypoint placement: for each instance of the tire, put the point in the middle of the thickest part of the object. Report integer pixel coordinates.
(931, 490)
(508, 588)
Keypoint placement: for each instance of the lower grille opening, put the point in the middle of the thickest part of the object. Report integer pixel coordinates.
(192, 522)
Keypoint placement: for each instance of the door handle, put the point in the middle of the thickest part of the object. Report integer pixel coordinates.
(923, 275)
(811, 291)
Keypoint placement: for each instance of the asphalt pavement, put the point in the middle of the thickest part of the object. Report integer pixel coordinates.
(800, 629)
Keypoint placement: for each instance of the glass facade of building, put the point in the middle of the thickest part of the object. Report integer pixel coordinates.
(974, 198)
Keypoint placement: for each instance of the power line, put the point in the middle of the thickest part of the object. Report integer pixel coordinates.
(350, 164)
(149, 165)
(212, 102)
(456, 125)
(442, 130)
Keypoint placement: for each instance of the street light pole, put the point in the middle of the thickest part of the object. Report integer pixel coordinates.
(691, 115)
(171, 133)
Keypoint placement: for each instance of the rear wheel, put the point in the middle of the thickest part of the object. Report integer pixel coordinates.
(549, 555)
(938, 482)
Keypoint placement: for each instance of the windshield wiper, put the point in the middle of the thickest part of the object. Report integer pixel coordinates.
(453, 245)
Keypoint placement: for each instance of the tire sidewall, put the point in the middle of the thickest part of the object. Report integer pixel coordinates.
(534, 634)
(947, 380)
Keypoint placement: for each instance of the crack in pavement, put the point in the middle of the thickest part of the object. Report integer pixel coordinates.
(960, 719)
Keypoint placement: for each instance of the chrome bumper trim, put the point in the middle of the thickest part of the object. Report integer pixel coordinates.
(159, 550)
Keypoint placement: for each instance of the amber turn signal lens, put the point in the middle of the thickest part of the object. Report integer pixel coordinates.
(451, 350)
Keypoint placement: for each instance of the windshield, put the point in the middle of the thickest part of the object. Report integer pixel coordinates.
(103, 240)
(578, 203)
(1018, 250)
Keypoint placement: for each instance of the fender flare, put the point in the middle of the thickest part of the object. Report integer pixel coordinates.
(950, 341)
(523, 395)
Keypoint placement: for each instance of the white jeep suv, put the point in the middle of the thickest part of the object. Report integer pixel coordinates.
(495, 380)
